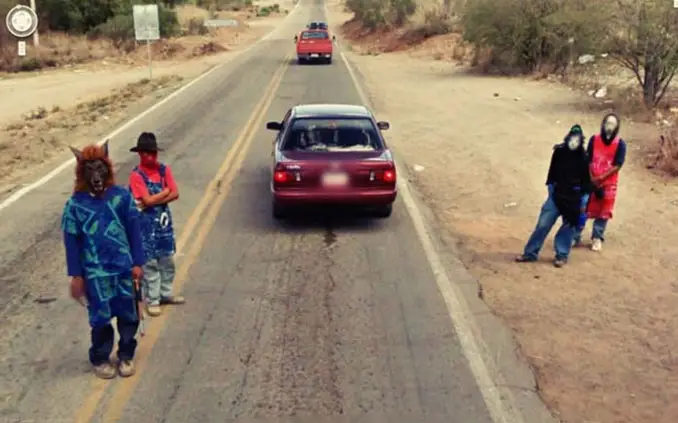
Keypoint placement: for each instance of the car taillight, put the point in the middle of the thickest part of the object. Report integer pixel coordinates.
(281, 176)
(388, 176)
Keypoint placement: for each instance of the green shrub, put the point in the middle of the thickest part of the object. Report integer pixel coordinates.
(371, 13)
(196, 26)
(523, 35)
(119, 29)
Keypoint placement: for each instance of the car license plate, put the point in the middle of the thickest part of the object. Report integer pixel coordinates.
(314, 55)
(335, 179)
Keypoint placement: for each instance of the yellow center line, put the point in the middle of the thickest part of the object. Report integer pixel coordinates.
(219, 185)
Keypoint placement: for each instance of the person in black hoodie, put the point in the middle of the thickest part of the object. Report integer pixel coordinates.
(568, 181)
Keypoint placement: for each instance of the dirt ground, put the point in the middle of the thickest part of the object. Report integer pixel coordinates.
(41, 111)
(599, 332)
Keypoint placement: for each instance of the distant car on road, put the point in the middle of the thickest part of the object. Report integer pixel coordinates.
(314, 45)
(331, 154)
(317, 25)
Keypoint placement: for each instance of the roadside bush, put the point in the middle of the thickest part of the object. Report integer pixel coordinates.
(373, 14)
(643, 40)
(525, 35)
(436, 22)
(666, 157)
(119, 29)
(370, 13)
(196, 26)
(400, 10)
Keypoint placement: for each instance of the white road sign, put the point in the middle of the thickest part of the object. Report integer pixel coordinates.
(21, 21)
(21, 48)
(146, 22)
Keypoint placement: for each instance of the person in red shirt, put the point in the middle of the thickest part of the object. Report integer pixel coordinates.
(153, 187)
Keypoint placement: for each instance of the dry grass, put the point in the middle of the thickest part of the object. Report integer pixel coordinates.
(59, 50)
(666, 155)
(43, 133)
(413, 39)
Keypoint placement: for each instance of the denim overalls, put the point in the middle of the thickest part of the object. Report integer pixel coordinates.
(156, 225)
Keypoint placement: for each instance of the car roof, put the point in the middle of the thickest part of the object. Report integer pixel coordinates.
(339, 110)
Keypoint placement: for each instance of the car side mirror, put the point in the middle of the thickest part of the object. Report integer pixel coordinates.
(334, 38)
(296, 38)
(383, 125)
(274, 126)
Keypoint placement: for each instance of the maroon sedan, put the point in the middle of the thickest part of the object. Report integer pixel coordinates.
(331, 154)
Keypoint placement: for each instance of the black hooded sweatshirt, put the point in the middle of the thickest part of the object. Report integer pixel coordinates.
(569, 174)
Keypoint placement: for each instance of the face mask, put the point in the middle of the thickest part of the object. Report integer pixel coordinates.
(148, 159)
(96, 173)
(610, 125)
(573, 142)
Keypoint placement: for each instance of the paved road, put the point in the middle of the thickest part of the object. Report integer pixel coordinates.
(321, 320)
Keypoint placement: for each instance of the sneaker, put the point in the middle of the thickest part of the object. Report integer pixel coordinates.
(174, 300)
(153, 310)
(105, 371)
(126, 368)
(559, 262)
(525, 259)
(597, 245)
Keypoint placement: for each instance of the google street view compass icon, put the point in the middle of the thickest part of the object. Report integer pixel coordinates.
(21, 21)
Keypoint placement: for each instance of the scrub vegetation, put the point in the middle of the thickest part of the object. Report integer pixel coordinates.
(78, 31)
(546, 37)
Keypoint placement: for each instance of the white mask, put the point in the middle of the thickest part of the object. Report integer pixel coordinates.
(573, 142)
(610, 125)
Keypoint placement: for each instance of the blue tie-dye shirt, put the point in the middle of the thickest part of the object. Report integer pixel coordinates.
(102, 235)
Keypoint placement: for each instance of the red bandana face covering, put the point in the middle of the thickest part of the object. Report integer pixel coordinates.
(148, 159)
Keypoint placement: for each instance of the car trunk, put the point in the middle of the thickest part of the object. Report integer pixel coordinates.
(362, 168)
(314, 45)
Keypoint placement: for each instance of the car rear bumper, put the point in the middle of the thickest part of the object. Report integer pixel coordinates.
(363, 198)
(314, 55)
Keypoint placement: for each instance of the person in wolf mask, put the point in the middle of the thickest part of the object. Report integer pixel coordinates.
(607, 153)
(152, 185)
(568, 181)
(104, 258)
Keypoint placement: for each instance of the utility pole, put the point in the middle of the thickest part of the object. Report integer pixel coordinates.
(36, 37)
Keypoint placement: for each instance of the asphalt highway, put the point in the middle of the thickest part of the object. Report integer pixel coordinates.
(323, 320)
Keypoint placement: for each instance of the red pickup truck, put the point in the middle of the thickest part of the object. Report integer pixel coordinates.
(314, 44)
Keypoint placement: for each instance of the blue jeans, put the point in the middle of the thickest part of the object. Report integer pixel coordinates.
(547, 218)
(597, 232)
(159, 279)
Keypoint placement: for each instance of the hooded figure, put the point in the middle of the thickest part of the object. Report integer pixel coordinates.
(568, 182)
(607, 153)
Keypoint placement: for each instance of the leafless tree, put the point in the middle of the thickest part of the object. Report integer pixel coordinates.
(644, 39)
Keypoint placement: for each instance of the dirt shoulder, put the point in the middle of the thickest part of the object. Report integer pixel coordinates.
(42, 112)
(600, 332)
(107, 68)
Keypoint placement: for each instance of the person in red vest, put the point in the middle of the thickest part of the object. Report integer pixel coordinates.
(607, 153)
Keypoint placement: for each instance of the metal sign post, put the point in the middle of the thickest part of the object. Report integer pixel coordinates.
(22, 22)
(147, 28)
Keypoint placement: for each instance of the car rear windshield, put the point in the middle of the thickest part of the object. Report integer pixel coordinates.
(319, 35)
(317, 134)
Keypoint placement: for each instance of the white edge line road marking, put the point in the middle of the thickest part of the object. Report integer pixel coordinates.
(502, 411)
(17, 195)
